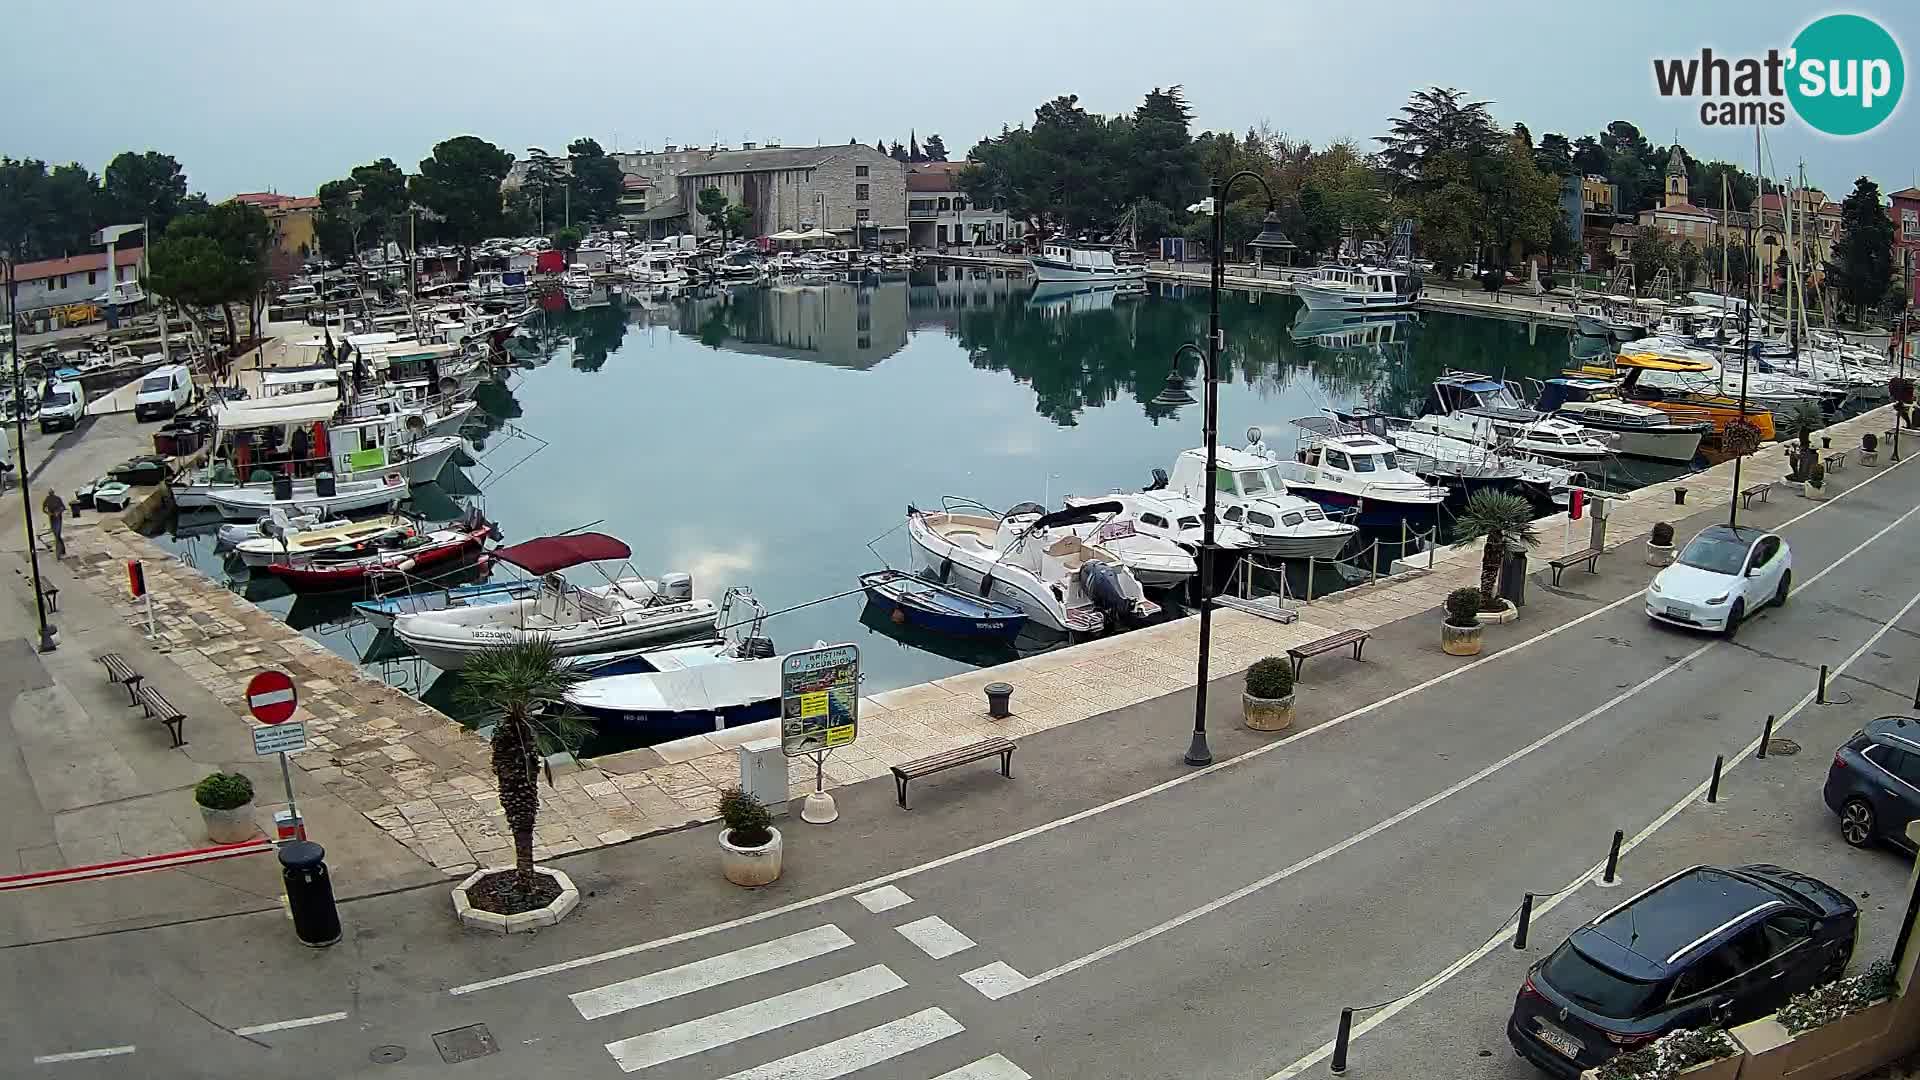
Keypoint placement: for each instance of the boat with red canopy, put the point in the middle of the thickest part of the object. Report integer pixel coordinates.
(622, 613)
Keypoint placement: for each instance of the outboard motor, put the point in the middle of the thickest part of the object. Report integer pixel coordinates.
(676, 588)
(1159, 481)
(757, 648)
(1103, 584)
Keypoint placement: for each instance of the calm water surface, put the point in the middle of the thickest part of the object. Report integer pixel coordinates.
(774, 436)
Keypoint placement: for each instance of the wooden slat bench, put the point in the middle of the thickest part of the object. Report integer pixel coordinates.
(159, 708)
(1836, 461)
(1590, 556)
(940, 762)
(1299, 653)
(1747, 494)
(118, 670)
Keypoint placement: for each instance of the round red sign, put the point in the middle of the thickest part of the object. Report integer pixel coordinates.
(271, 697)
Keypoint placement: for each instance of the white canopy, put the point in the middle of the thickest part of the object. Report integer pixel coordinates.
(787, 235)
(275, 411)
(291, 376)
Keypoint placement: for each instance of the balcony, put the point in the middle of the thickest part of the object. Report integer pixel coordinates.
(922, 215)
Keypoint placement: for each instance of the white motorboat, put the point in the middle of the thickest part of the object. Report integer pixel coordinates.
(355, 450)
(658, 270)
(1475, 408)
(1170, 515)
(296, 539)
(320, 497)
(1463, 466)
(1707, 375)
(1637, 430)
(1253, 498)
(1352, 472)
(1358, 288)
(1156, 561)
(1028, 558)
(1058, 261)
(624, 612)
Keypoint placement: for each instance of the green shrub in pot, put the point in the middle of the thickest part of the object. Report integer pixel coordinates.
(223, 791)
(1270, 678)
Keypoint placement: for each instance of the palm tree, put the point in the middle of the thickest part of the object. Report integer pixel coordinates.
(522, 688)
(1801, 421)
(1504, 519)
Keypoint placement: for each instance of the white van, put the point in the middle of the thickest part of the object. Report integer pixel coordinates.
(165, 391)
(62, 406)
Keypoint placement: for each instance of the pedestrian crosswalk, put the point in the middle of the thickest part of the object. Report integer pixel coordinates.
(807, 990)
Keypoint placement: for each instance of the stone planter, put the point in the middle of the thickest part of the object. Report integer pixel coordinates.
(229, 826)
(1506, 614)
(1849, 1046)
(751, 866)
(522, 922)
(1267, 714)
(1460, 640)
(1817, 494)
(1659, 554)
(1726, 1068)
(1869, 459)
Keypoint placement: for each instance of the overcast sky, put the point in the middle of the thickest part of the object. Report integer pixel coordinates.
(284, 97)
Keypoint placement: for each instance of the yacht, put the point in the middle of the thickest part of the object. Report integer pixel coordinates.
(1638, 430)
(1465, 467)
(1059, 261)
(1252, 497)
(1475, 408)
(1358, 288)
(1344, 468)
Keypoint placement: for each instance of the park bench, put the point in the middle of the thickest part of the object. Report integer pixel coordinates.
(1299, 653)
(1747, 494)
(1836, 461)
(933, 763)
(159, 708)
(119, 671)
(1590, 556)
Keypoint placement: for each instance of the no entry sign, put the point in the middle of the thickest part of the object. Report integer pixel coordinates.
(271, 697)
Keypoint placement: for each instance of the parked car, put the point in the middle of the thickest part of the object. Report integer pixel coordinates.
(1874, 782)
(1705, 946)
(62, 406)
(1724, 574)
(165, 391)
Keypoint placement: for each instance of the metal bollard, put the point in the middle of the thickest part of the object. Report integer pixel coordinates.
(1526, 916)
(303, 869)
(1679, 496)
(1820, 698)
(1340, 1039)
(1613, 857)
(1916, 697)
(1766, 737)
(1713, 788)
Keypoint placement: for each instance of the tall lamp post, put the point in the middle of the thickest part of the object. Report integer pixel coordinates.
(49, 636)
(1176, 394)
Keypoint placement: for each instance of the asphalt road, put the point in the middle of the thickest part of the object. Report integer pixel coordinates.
(1210, 927)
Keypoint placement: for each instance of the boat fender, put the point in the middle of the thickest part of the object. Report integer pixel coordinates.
(986, 583)
(405, 565)
(946, 568)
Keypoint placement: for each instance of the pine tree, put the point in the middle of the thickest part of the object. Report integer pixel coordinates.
(1862, 264)
(934, 148)
(880, 145)
(897, 152)
(913, 147)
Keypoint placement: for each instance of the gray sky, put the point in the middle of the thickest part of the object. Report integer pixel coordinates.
(284, 97)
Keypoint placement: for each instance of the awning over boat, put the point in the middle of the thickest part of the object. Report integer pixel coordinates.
(273, 412)
(546, 554)
(1654, 362)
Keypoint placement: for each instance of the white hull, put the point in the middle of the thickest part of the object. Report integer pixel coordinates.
(1053, 272)
(1304, 547)
(1678, 446)
(428, 463)
(249, 504)
(447, 639)
(1322, 298)
(1011, 584)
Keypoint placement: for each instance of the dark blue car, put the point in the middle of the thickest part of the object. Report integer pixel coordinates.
(1874, 784)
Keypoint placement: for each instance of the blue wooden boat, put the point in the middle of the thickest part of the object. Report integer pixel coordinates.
(929, 605)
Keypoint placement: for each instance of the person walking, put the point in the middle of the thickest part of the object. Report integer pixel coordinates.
(56, 510)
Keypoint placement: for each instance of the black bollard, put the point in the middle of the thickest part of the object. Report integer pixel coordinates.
(303, 868)
(1713, 789)
(1766, 736)
(1679, 496)
(1916, 697)
(1613, 857)
(1820, 698)
(1526, 916)
(1340, 1038)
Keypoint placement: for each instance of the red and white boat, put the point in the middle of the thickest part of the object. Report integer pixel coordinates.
(350, 566)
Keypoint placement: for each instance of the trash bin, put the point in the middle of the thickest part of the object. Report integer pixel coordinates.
(303, 868)
(282, 487)
(1513, 578)
(323, 485)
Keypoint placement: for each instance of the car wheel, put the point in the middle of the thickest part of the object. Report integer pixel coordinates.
(1786, 586)
(1857, 825)
(1738, 613)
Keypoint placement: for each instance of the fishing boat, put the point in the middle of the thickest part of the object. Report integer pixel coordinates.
(1638, 429)
(625, 612)
(1252, 497)
(1085, 263)
(282, 537)
(1337, 287)
(1344, 468)
(321, 497)
(916, 601)
(350, 567)
(381, 611)
(1027, 558)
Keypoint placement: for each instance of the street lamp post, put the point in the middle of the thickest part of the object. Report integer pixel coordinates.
(1197, 752)
(49, 635)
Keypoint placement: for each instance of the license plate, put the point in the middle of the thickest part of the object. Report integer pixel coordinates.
(1560, 1040)
(1678, 612)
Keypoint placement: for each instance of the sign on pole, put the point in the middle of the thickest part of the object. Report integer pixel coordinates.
(819, 699)
(279, 739)
(271, 697)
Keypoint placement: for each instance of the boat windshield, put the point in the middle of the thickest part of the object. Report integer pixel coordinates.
(1363, 463)
(1188, 522)
(1253, 481)
(1273, 479)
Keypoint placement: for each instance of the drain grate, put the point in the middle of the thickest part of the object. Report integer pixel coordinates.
(386, 1055)
(465, 1043)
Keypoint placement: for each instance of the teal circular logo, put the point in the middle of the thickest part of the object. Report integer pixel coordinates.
(1847, 74)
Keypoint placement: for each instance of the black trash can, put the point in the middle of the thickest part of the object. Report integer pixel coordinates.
(303, 868)
(323, 485)
(282, 487)
(1513, 578)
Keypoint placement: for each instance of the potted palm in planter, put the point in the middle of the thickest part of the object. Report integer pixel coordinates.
(1505, 521)
(1267, 703)
(1660, 545)
(1800, 422)
(749, 844)
(1460, 631)
(226, 804)
(1869, 450)
(1815, 485)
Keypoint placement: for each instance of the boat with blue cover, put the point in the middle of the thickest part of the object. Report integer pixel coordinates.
(917, 601)
(381, 612)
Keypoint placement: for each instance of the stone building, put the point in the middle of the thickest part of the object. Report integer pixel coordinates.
(853, 191)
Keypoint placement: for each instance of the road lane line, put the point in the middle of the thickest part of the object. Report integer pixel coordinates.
(1666, 817)
(287, 1025)
(713, 971)
(754, 1018)
(855, 1052)
(1078, 816)
(82, 1055)
(935, 936)
(991, 1067)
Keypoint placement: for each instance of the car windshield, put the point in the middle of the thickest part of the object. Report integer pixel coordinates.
(1719, 552)
(157, 382)
(1606, 992)
(57, 398)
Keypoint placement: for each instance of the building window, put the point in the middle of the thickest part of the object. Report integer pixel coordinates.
(92, 276)
(860, 193)
(863, 215)
(946, 204)
(859, 170)
(63, 282)
(959, 204)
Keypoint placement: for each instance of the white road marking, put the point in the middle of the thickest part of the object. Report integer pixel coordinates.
(713, 971)
(991, 1067)
(874, 883)
(82, 1055)
(935, 936)
(996, 980)
(884, 898)
(754, 1018)
(855, 1052)
(284, 1025)
(1447, 973)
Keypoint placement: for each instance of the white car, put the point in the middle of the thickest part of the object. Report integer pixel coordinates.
(1723, 575)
